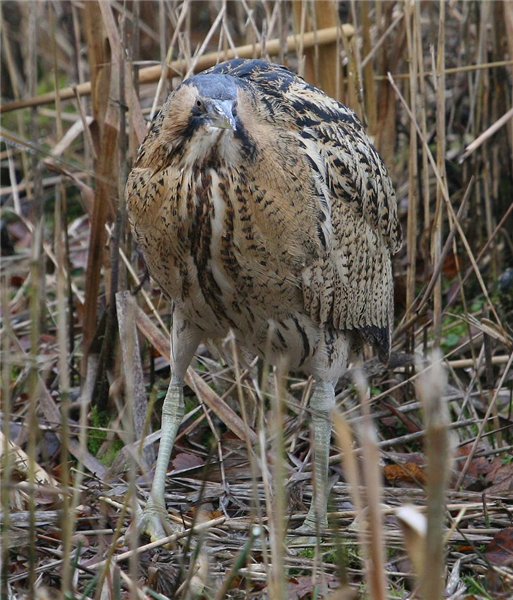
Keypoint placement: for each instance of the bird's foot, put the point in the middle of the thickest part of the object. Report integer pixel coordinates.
(154, 522)
(309, 532)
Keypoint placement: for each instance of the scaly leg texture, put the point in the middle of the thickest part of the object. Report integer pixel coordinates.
(155, 521)
(321, 405)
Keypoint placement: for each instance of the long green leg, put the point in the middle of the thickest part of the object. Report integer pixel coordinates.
(155, 520)
(321, 405)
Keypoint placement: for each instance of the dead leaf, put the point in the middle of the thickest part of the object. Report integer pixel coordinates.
(184, 461)
(497, 587)
(501, 478)
(478, 466)
(406, 473)
(206, 515)
(499, 551)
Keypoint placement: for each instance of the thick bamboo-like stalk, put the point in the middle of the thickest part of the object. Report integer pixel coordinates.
(105, 137)
(329, 62)
(152, 74)
(368, 72)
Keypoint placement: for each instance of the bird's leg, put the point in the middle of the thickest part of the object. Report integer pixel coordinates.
(155, 522)
(321, 405)
(184, 342)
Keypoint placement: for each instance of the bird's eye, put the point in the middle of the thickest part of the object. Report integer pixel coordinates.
(199, 103)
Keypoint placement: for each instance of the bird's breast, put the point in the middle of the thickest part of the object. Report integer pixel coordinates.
(212, 251)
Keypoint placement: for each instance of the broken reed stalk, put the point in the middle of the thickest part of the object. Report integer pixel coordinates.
(369, 515)
(5, 460)
(376, 578)
(441, 189)
(67, 524)
(179, 67)
(36, 275)
(277, 521)
(430, 388)
(413, 193)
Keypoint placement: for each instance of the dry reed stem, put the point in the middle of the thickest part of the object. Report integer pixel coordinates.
(152, 74)
(5, 458)
(449, 205)
(377, 581)
(430, 388)
(277, 519)
(486, 135)
(369, 516)
(484, 421)
(413, 192)
(132, 363)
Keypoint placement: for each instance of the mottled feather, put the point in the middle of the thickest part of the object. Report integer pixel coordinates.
(262, 207)
(287, 223)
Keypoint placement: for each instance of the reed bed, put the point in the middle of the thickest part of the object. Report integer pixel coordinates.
(422, 476)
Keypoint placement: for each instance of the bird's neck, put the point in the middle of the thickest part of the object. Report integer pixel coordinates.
(211, 146)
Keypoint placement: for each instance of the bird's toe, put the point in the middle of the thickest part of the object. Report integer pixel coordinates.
(306, 535)
(152, 521)
(155, 523)
(155, 526)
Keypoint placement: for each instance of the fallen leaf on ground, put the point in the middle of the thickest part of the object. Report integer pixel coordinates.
(478, 465)
(184, 461)
(407, 473)
(501, 478)
(499, 551)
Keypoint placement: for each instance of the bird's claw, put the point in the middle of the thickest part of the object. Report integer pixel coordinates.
(154, 522)
(308, 537)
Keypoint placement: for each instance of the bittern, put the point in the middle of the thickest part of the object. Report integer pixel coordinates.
(262, 208)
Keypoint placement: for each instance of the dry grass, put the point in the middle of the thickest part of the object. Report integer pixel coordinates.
(421, 503)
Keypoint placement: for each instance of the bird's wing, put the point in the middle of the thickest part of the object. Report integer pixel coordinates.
(351, 286)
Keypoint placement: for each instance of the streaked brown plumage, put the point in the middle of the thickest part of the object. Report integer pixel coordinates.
(262, 207)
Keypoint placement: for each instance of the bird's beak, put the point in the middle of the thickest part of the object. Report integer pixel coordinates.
(221, 114)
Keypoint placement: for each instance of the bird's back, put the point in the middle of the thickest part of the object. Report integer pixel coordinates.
(289, 223)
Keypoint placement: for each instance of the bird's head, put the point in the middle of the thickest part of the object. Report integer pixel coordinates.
(214, 101)
(205, 104)
(206, 116)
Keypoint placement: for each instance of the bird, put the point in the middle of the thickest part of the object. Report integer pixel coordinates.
(264, 211)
